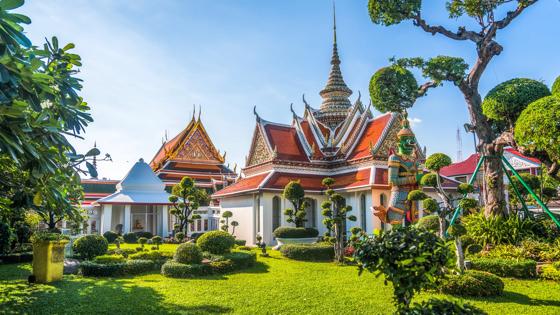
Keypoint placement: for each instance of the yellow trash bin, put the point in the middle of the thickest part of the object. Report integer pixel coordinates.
(48, 260)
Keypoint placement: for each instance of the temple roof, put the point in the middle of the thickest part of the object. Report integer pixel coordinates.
(139, 186)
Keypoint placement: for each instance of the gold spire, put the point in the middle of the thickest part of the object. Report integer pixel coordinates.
(335, 105)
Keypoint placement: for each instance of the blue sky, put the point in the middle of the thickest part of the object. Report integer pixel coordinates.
(145, 63)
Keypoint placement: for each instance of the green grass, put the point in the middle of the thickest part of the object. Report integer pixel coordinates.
(275, 285)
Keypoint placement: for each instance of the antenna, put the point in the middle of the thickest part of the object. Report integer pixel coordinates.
(459, 146)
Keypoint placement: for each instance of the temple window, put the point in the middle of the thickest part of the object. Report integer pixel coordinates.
(276, 219)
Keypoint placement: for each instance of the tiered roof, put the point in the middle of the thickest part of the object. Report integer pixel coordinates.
(339, 140)
(192, 153)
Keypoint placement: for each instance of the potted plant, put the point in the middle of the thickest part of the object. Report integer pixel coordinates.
(48, 256)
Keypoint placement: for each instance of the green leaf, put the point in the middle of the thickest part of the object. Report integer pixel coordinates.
(11, 4)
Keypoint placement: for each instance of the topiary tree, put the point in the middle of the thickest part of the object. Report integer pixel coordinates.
(225, 221)
(142, 241)
(294, 192)
(188, 253)
(90, 246)
(486, 15)
(505, 101)
(393, 89)
(537, 130)
(186, 198)
(118, 241)
(410, 258)
(234, 224)
(110, 236)
(456, 231)
(180, 236)
(157, 240)
(216, 242)
(336, 212)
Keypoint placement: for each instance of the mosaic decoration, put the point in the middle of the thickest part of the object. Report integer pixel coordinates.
(259, 151)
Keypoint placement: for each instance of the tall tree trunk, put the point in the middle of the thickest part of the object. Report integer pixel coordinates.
(338, 243)
(460, 254)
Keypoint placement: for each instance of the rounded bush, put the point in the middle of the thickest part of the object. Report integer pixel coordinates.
(180, 236)
(393, 89)
(308, 252)
(145, 234)
(154, 255)
(473, 283)
(429, 222)
(515, 268)
(216, 242)
(506, 101)
(142, 240)
(130, 238)
(437, 161)
(437, 306)
(110, 236)
(240, 242)
(89, 246)
(293, 232)
(188, 253)
(175, 269)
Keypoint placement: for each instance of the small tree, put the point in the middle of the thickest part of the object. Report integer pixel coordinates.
(157, 240)
(225, 221)
(142, 241)
(186, 198)
(410, 258)
(456, 231)
(233, 225)
(336, 211)
(295, 193)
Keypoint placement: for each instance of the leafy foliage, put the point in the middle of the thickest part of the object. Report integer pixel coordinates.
(90, 246)
(437, 161)
(473, 283)
(6, 238)
(437, 306)
(216, 242)
(186, 198)
(497, 230)
(556, 86)
(294, 192)
(110, 236)
(292, 232)
(130, 237)
(506, 101)
(537, 129)
(429, 222)
(515, 268)
(308, 252)
(410, 258)
(393, 89)
(188, 253)
(392, 12)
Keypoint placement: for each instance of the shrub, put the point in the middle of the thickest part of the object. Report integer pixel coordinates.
(142, 241)
(473, 283)
(89, 246)
(110, 236)
(188, 253)
(157, 240)
(240, 242)
(292, 232)
(147, 235)
(528, 249)
(222, 266)
(429, 222)
(6, 238)
(16, 258)
(551, 272)
(497, 230)
(522, 268)
(155, 256)
(131, 267)
(437, 306)
(175, 269)
(109, 259)
(244, 248)
(130, 238)
(241, 260)
(126, 252)
(196, 235)
(180, 236)
(308, 252)
(216, 242)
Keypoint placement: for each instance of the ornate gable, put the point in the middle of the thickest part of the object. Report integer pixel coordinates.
(197, 146)
(260, 152)
(389, 140)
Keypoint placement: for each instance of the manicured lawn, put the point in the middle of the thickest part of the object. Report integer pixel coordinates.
(275, 285)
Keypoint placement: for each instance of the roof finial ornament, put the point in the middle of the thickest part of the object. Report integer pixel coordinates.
(199, 111)
(292, 110)
(334, 21)
(256, 114)
(304, 101)
(193, 110)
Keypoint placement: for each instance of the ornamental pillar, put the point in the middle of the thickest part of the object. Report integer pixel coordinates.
(126, 225)
(106, 216)
(164, 221)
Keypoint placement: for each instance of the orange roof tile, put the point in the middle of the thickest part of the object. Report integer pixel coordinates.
(313, 182)
(370, 136)
(308, 133)
(243, 185)
(286, 142)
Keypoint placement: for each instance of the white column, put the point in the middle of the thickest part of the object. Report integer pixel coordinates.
(106, 216)
(164, 221)
(126, 225)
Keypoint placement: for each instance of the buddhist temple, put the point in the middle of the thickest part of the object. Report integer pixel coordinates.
(340, 139)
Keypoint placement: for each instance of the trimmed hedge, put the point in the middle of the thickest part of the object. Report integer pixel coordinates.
(473, 283)
(522, 268)
(90, 246)
(437, 306)
(130, 267)
(126, 252)
(240, 242)
(130, 238)
(145, 234)
(109, 259)
(551, 272)
(241, 260)
(175, 269)
(155, 256)
(429, 222)
(244, 248)
(216, 242)
(293, 232)
(15, 258)
(308, 252)
(188, 253)
(110, 236)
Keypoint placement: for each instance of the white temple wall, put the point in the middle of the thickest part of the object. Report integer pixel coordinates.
(243, 211)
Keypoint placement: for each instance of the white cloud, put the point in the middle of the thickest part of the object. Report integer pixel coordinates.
(414, 121)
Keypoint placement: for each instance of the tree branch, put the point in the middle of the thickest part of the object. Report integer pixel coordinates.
(513, 14)
(425, 87)
(461, 34)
